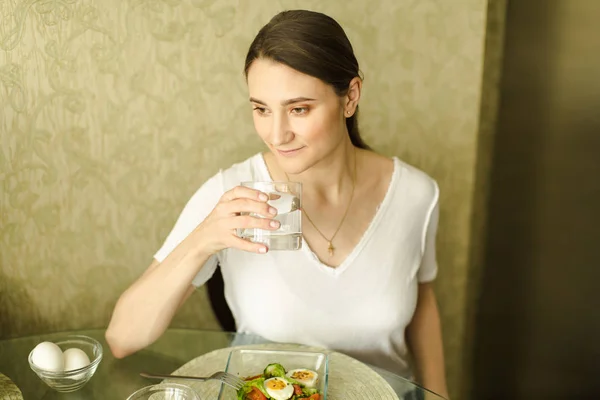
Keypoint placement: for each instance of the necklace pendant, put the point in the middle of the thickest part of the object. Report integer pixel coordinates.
(330, 248)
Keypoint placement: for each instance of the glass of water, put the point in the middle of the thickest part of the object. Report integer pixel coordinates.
(165, 391)
(286, 197)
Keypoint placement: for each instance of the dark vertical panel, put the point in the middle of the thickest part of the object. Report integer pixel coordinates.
(538, 324)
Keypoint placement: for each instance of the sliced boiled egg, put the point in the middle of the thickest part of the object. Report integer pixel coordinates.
(306, 377)
(279, 388)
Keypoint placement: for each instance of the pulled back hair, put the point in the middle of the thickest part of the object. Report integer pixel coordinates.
(314, 44)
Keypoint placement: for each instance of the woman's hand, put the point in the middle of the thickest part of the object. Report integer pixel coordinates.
(218, 231)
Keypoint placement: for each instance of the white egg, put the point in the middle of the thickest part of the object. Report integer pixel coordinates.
(48, 356)
(279, 389)
(306, 377)
(75, 359)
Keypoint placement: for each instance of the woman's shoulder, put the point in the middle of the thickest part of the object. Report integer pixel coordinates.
(249, 169)
(403, 176)
(416, 181)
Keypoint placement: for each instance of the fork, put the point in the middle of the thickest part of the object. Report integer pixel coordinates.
(226, 378)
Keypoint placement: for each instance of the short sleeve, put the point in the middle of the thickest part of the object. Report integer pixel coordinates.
(195, 211)
(429, 268)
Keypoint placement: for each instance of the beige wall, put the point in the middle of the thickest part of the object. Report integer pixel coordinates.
(112, 113)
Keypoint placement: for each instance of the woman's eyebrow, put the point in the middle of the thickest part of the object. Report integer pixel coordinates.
(285, 102)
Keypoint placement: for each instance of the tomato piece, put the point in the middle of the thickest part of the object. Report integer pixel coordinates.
(315, 396)
(256, 394)
(251, 378)
(297, 390)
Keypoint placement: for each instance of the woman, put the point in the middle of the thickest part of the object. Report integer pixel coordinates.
(362, 282)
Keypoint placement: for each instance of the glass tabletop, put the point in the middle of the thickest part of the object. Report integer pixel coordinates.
(118, 378)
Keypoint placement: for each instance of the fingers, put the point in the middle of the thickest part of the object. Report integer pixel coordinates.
(248, 222)
(244, 192)
(245, 205)
(244, 200)
(248, 246)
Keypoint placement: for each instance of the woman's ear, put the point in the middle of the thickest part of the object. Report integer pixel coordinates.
(352, 97)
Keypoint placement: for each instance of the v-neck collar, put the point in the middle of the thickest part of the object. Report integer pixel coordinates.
(381, 209)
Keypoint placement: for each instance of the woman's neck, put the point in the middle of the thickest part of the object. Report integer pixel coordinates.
(330, 179)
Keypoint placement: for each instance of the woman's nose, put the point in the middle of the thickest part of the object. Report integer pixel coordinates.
(281, 132)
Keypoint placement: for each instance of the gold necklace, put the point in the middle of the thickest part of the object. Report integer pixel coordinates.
(330, 247)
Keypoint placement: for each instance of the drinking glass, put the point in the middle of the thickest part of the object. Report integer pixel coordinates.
(286, 197)
(165, 391)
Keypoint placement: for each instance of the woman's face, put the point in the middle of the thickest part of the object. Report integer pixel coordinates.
(299, 117)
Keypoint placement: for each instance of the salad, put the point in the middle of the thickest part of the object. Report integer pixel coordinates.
(278, 384)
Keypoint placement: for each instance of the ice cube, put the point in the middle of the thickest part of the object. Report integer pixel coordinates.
(284, 202)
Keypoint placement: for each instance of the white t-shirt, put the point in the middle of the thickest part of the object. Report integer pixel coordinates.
(363, 306)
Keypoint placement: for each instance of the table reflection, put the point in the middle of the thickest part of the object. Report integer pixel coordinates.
(117, 379)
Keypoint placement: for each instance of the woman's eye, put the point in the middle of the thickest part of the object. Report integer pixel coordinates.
(300, 110)
(260, 110)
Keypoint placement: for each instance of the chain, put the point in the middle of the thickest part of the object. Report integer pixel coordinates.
(330, 247)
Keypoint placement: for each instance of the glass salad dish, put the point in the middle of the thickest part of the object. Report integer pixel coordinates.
(277, 375)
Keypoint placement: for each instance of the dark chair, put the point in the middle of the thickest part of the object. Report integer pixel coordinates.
(216, 294)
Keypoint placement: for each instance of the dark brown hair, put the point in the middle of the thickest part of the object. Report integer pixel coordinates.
(314, 44)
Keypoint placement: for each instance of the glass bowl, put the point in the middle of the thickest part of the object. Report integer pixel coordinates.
(245, 363)
(73, 380)
(165, 391)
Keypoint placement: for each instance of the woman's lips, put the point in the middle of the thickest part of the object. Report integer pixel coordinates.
(288, 153)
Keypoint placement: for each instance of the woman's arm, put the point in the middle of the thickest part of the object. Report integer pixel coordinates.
(424, 338)
(145, 310)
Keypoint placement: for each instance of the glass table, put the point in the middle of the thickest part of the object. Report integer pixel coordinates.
(117, 379)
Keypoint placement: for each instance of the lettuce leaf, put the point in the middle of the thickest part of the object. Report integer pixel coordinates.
(258, 383)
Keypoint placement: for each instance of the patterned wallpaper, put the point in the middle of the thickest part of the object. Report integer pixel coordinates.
(113, 112)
